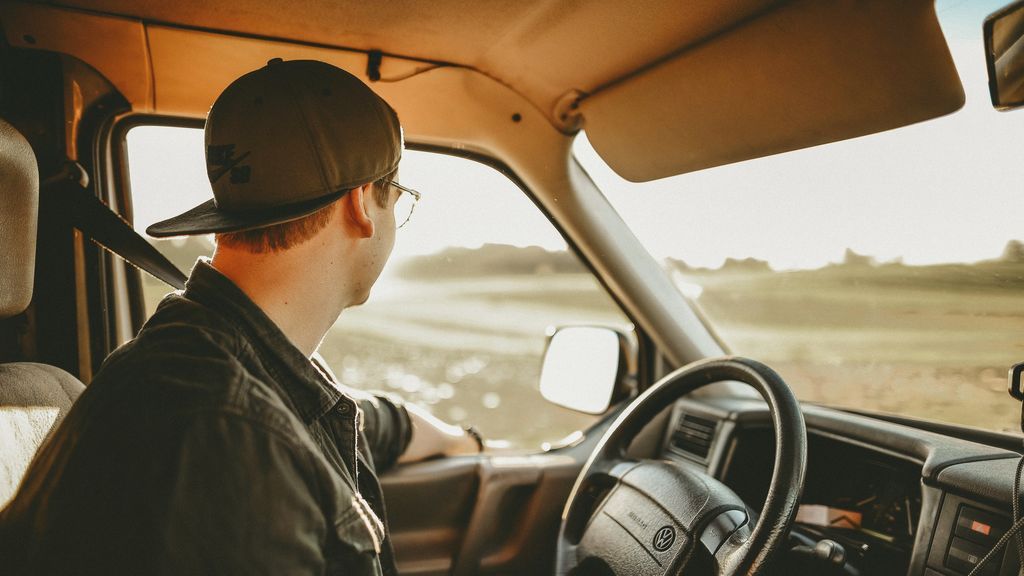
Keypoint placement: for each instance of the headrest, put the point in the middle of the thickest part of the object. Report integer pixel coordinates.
(19, 208)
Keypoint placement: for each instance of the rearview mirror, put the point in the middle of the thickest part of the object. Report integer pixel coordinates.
(587, 368)
(1004, 54)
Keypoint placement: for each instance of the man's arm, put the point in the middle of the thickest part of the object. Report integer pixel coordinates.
(432, 437)
(401, 432)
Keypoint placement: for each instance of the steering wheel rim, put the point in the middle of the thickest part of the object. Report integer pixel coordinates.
(743, 551)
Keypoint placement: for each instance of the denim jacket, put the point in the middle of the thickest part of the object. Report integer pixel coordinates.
(209, 444)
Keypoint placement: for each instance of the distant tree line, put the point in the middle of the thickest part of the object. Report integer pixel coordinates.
(1012, 253)
(491, 260)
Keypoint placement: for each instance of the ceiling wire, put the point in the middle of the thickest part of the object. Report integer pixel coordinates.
(414, 72)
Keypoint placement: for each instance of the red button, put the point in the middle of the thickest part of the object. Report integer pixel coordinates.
(979, 527)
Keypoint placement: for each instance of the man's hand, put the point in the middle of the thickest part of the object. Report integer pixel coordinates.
(431, 437)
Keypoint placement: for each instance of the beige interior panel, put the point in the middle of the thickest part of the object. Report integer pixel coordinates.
(191, 67)
(566, 46)
(808, 73)
(542, 48)
(115, 46)
(446, 105)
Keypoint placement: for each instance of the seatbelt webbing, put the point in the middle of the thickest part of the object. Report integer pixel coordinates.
(96, 220)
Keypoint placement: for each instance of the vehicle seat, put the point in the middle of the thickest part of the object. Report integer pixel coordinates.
(34, 398)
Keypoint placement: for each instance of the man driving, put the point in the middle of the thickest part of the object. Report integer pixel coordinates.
(215, 442)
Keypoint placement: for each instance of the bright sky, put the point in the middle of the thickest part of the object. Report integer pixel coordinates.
(944, 190)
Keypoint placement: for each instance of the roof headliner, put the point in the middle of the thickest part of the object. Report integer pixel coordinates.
(668, 88)
(543, 49)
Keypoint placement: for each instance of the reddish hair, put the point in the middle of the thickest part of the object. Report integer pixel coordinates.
(294, 232)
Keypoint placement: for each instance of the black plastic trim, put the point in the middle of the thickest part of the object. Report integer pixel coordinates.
(938, 468)
(978, 435)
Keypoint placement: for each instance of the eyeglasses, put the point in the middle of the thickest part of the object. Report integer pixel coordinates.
(405, 204)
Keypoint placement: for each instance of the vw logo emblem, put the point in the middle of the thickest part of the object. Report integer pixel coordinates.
(664, 538)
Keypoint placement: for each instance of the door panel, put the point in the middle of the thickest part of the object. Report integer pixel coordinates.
(492, 515)
(428, 506)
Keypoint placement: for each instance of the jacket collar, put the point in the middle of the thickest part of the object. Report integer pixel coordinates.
(309, 389)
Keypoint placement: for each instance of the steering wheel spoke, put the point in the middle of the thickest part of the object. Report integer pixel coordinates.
(732, 550)
(612, 467)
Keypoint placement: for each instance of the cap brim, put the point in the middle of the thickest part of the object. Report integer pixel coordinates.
(208, 219)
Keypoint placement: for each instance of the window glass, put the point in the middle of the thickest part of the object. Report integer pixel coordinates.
(457, 321)
(167, 171)
(883, 273)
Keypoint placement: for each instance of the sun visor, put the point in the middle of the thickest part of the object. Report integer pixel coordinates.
(807, 73)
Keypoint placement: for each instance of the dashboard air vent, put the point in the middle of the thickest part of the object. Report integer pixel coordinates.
(693, 436)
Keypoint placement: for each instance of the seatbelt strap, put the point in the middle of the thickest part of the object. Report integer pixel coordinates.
(96, 220)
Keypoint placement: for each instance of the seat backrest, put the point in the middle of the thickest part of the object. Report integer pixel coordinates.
(19, 200)
(34, 398)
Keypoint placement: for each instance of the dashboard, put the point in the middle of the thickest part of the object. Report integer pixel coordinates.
(867, 501)
(899, 500)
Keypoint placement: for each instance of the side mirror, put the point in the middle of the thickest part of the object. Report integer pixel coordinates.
(587, 368)
(1004, 55)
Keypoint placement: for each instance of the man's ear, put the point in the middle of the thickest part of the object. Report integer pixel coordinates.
(354, 205)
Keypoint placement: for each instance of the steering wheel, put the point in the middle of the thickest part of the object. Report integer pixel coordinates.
(648, 517)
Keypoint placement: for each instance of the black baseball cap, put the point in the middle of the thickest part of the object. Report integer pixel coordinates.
(286, 140)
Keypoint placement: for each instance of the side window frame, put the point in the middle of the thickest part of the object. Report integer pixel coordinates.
(123, 195)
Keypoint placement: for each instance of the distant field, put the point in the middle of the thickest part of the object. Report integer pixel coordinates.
(465, 337)
(933, 342)
(469, 349)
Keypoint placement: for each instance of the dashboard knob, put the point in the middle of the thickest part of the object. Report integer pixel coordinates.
(830, 551)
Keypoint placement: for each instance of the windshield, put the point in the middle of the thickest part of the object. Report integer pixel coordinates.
(884, 273)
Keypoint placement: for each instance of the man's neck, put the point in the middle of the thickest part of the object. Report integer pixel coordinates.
(303, 301)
